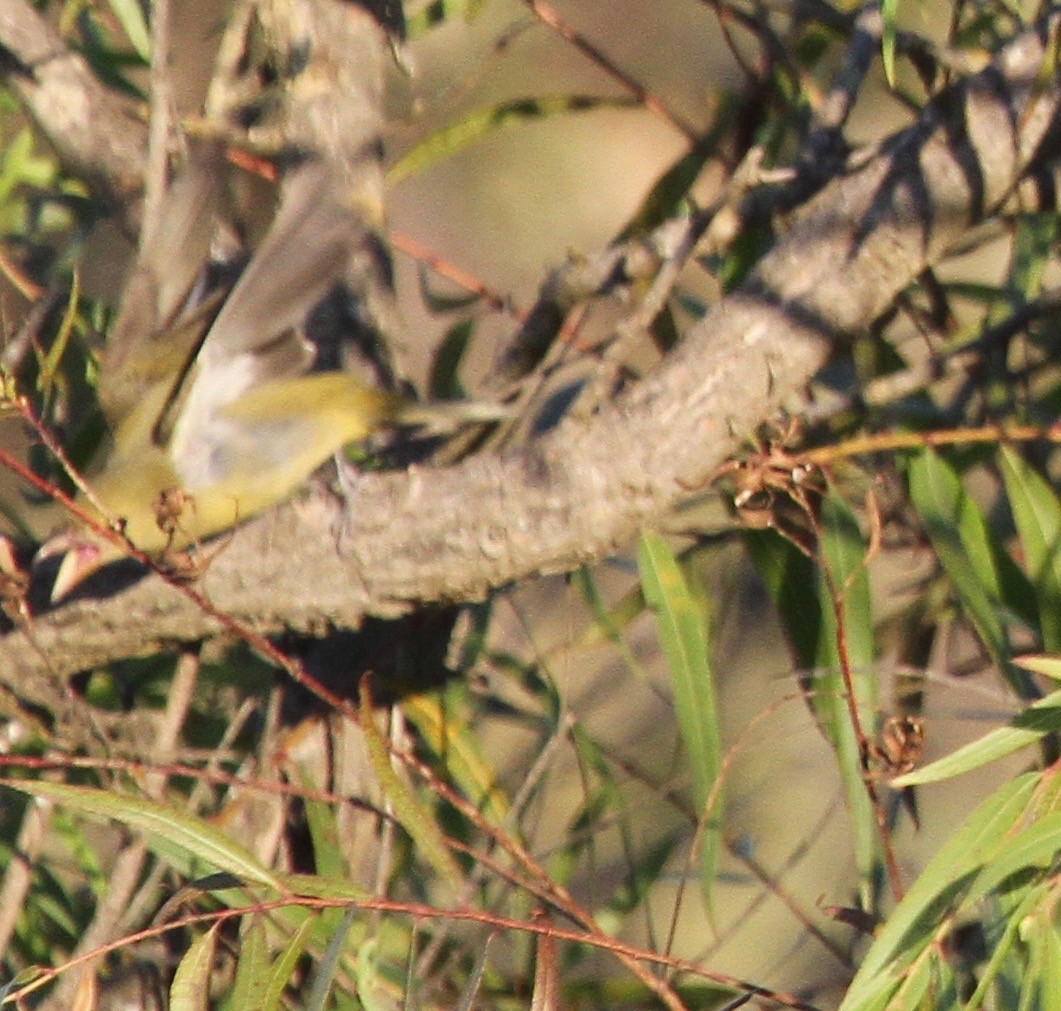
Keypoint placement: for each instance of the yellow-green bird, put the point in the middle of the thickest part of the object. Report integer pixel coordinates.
(218, 407)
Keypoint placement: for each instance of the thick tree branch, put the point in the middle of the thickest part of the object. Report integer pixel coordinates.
(586, 488)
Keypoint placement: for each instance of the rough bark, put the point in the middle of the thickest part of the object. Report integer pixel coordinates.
(585, 488)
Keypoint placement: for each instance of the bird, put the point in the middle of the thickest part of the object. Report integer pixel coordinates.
(213, 416)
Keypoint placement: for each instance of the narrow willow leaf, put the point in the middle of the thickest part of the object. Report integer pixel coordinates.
(1034, 846)
(1027, 727)
(457, 748)
(251, 985)
(842, 551)
(1048, 666)
(315, 887)
(182, 831)
(911, 927)
(284, 967)
(683, 636)
(789, 576)
(323, 832)
(663, 202)
(1037, 514)
(423, 17)
(329, 964)
(889, 10)
(916, 987)
(481, 123)
(411, 814)
(608, 624)
(190, 988)
(130, 16)
(1002, 950)
(1048, 931)
(961, 540)
(443, 382)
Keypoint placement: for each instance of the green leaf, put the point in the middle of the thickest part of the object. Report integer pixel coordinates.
(1002, 950)
(190, 988)
(914, 923)
(608, 624)
(664, 201)
(961, 540)
(1035, 846)
(324, 835)
(457, 749)
(413, 816)
(251, 985)
(130, 16)
(1048, 666)
(329, 964)
(1047, 933)
(889, 10)
(437, 12)
(803, 598)
(842, 550)
(1027, 727)
(788, 574)
(456, 136)
(683, 636)
(188, 834)
(284, 967)
(1037, 514)
(444, 382)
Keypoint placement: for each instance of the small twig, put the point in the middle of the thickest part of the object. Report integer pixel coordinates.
(419, 252)
(884, 442)
(545, 13)
(824, 141)
(863, 742)
(109, 530)
(124, 875)
(419, 911)
(742, 743)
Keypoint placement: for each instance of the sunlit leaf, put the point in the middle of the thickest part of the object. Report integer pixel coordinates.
(190, 989)
(961, 539)
(414, 817)
(1048, 666)
(131, 17)
(683, 636)
(1035, 846)
(1027, 727)
(455, 745)
(251, 985)
(913, 924)
(889, 10)
(185, 832)
(284, 967)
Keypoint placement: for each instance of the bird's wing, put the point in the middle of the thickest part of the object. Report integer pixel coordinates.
(151, 341)
(255, 339)
(301, 257)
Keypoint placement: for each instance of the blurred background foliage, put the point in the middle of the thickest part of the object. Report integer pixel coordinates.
(691, 747)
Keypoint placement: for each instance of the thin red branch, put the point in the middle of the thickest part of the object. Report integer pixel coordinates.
(423, 912)
(548, 16)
